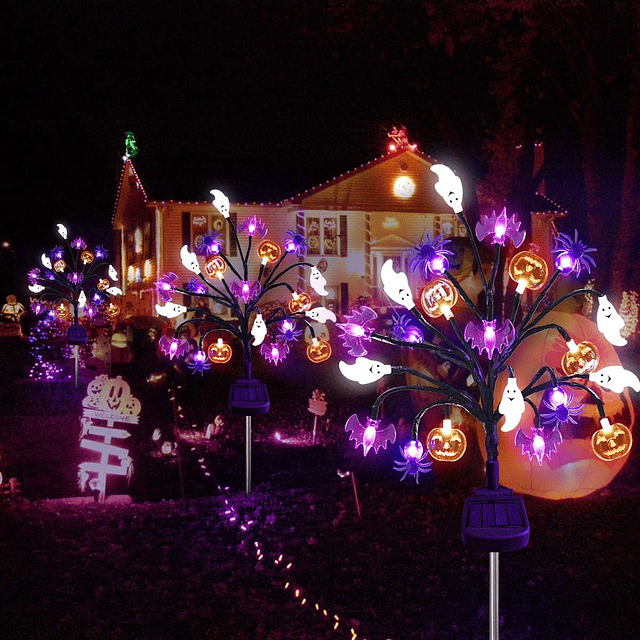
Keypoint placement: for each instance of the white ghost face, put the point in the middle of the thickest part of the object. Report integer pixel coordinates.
(258, 330)
(220, 202)
(317, 282)
(449, 186)
(364, 370)
(609, 322)
(396, 285)
(321, 314)
(189, 260)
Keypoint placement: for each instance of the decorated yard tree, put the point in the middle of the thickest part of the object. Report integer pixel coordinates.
(494, 518)
(240, 299)
(74, 279)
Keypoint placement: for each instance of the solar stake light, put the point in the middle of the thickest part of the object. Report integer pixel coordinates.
(240, 291)
(494, 519)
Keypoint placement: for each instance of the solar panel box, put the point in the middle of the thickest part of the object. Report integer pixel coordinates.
(249, 398)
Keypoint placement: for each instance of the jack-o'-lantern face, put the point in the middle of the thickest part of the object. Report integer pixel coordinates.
(113, 310)
(114, 393)
(61, 309)
(219, 352)
(438, 297)
(86, 257)
(614, 442)
(59, 266)
(528, 270)
(583, 359)
(103, 284)
(269, 250)
(319, 352)
(446, 444)
(299, 303)
(214, 267)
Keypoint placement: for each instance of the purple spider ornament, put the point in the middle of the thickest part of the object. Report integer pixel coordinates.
(405, 331)
(500, 228)
(245, 291)
(210, 244)
(354, 331)
(101, 253)
(56, 253)
(274, 352)
(431, 257)
(288, 331)
(166, 287)
(295, 242)
(561, 411)
(196, 286)
(199, 363)
(572, 255)
(413, 465)
(253, 227)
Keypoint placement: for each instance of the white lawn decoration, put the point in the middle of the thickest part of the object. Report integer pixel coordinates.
(108, 401)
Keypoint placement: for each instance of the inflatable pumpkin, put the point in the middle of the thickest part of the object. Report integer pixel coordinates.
(575, 470)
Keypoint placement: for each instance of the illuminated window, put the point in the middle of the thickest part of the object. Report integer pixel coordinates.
(147, 268)
(138, 240)
(322, 236)
(138, 275)
(130, 273)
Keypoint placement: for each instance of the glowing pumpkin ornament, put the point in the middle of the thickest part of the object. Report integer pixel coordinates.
(318, 351)
(446, 443)
(438, 297)
(61, 310)
(529, 271)
(113, 310)
(103, 284)
(214, 267)
(219, 352)
(299, 303)
(611, 441)
(59, 266)
(580, 358)
(269, 251)
(87, 257)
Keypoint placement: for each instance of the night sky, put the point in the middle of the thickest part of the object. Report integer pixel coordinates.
(260, 103)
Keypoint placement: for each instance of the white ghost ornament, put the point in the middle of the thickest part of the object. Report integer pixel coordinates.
(317, 282)
(512, 405)
(364, 370)
(609, 322)
(449, 186)
(321, 314)
(62, 230)
(615, 378)
(220, 202)
(396, 285)
(114, 291)
(189, 260)
(46, 262)
(113, 274)
(36, 288)
(170, 310)
(82, 299)
(258, 330)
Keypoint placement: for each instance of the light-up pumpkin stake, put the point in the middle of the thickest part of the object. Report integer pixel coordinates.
(446, 443)
(611, 441)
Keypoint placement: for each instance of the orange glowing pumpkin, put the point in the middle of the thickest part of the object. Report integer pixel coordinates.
(299, 303)
(583, 358)
(113, 310)
(319, 351)
(269, 250)
(528, 270)
(215, 266)
(59, 266)
(61, 309)
(612, 443)
(219, 352)
(103, 284)
(86, 257)
(438, 297)
(446, 443)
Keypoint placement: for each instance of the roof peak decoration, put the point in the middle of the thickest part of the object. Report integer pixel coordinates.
(130, 146)
(399, 139)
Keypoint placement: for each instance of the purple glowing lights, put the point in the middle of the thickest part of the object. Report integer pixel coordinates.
(210, 244)
(499, 228)
(413, 464)
(572, 255)
(165, 286)
(253, 227)
(431, 257)
(295, 242)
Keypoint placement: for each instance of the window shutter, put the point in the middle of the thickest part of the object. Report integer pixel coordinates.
(343, 237)
(186, 229)
(232, 247)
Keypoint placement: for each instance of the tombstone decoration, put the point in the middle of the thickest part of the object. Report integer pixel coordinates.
(232, 286)
(107, 407)
(494, 518)
(75, 279)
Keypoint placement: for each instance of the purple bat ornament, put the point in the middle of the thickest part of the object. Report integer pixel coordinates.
(355, 330)
(245, 291)
(500, 227)
(370, 437)
(173, 347)
(485, 335)
(540, 445)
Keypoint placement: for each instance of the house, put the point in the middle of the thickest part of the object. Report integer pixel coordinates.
(352, 224)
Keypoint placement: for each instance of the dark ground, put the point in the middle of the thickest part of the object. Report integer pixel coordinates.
(230, 566)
